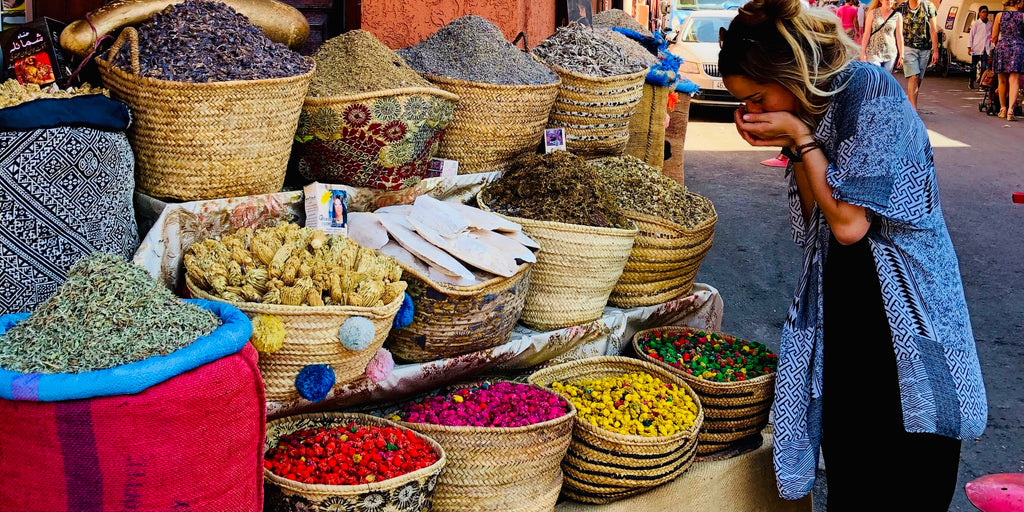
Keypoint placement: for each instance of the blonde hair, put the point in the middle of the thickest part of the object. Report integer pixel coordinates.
(781, 41)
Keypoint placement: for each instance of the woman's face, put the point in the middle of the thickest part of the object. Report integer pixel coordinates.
(758, 97)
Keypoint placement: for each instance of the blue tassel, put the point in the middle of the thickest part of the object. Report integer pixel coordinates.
(404, 317)
(314, 382)
(356, 333)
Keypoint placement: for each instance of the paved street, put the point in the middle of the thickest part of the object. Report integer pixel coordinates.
(979, 161)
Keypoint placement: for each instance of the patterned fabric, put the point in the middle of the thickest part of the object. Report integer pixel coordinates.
(915, 25)
(882, 45)
(881, 159)
(65, 193)
(1008, 55)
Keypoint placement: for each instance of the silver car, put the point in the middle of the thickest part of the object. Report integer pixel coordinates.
(697, 44)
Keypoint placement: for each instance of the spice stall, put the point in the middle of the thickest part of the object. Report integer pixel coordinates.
(390, 337)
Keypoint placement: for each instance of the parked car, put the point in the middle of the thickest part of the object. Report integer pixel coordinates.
(697, 44)
(955, 20)
(679, 10)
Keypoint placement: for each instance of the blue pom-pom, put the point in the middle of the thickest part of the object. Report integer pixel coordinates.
(404, 317)
(315, 381)
(357, 333)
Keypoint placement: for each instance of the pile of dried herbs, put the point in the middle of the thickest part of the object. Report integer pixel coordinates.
(619, 18)
(633, 49)
(638, 187)
(557, 187)
(579, 48)
(357, 62)
(108, 313)
(473, 49)
(14, 93)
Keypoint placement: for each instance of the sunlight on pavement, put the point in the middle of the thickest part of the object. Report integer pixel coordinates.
(709, 136)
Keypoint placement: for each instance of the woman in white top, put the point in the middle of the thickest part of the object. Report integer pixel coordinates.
(882, 41)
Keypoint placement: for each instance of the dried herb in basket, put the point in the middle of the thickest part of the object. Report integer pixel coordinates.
(638, 187)
(357, 62)
(579, 48)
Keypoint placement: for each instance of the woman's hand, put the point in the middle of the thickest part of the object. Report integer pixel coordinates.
(778, 129)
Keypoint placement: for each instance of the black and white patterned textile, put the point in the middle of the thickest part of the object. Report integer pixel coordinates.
(65, 192)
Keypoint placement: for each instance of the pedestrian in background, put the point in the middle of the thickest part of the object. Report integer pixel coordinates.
(1008, 55)
(980, 44)
(921, 43)
(848, 15)
(882, 41)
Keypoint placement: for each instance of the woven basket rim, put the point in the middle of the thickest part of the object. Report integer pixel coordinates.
(359, 488)
(270, 309)
(381, 93)
(675, 226)
(463, 291)
(486, 85)
(561, 226)
(752, 383)
(172, 84)
(600, 79)
(623, 438)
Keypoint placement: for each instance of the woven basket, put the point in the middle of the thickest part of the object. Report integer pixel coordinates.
(664, 261)
(647, 126)
(311, 337)
(576, 269)
(494, 124)
(211, 140)
(378, 139)
(500, 469)
(595, 112)
(451, 320)
(733, 411)
(603, 466)
(411, 491)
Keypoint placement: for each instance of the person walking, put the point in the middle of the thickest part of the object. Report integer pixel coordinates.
(848, 15)
(879, 313)
(920, 38)
(979, 45)
(1008, 55)
(883, 35)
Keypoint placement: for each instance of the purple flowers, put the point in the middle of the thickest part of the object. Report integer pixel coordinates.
(501, 404)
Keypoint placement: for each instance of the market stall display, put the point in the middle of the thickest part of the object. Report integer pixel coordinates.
(504, 442)
(609, 18)
(324, 462)
(734, 378)
(504, 95)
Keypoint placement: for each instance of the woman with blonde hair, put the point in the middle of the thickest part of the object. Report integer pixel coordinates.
(882, 41)
(878, 365)
(1008, 55)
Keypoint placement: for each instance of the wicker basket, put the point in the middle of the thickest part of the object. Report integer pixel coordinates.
(500, 469)
(647, 127)
(451, 320)
(733, 411)
(378, 139)
(603, 466)
(411, 491)
(311, 337)
(664, 261)
(211, 140)
(494, 124)
(595, 112)
(576, 269)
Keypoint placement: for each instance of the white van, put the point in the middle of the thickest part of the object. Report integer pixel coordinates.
(955, 19)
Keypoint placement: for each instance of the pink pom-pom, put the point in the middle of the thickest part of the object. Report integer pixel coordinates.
(379, 368)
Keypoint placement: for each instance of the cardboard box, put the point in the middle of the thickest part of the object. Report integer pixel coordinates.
(326, 208)
(31, 53)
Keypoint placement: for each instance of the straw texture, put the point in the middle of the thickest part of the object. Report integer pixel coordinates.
(664, 261)
(676, 134)
(212, 140)
(494, 124)
(647, 126)
(411, 491)
(733, 411)
(603, 466)
(311, 337)
(451, 320)
(500, 469)
(576, 269)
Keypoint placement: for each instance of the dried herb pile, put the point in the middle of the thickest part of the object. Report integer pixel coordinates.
(619, 18)
(13, 93)
(638, 187)
(204, 41)
(108, 313)
(579, 48)
(357, 62)
(474, 49)
(558, 187)
(633, 50)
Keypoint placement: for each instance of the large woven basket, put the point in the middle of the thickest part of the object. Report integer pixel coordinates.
(647, 126)
(494, 124)
(311, 337)
(733, 411)
(500, 469)
(379, 139)
(451, 320)
(412, 491)
(595, 112)
(576, 269)
(664, 261)
(211, 140)
(603, 466)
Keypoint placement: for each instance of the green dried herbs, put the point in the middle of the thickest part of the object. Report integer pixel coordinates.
(578, 48)
(108, 313)
(558, 187)
(357, 62)
(638, 187)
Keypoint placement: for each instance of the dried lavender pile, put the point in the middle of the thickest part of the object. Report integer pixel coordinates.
(474, 49)
(619, 18)
(578, 48)
(638, 187)
(357, 62)
(108, 313)
(557, 187)
(634, 50)
(203, 41)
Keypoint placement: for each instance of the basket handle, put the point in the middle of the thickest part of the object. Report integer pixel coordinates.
(133, 44)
